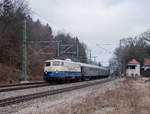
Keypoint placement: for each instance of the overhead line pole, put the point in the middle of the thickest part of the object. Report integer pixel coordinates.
(122, 60)
(24, 65)
(90, 57)
(58, 43)
(77, 49)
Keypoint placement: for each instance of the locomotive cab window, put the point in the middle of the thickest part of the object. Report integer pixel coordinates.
(47, 64)
(62, 63)
(56, 63)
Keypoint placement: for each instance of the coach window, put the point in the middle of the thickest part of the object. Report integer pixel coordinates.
(47, 64)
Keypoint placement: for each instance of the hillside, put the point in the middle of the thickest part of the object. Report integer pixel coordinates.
(9, 75)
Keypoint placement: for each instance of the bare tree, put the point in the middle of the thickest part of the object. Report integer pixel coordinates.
(146, 35)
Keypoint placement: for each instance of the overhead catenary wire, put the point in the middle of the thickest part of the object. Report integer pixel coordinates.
(48, 21)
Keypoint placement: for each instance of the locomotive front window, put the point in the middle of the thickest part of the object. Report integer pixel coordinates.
(56, 63)
(62, 63)
(47, 64)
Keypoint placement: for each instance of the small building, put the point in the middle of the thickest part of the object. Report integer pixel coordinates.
(133, 68)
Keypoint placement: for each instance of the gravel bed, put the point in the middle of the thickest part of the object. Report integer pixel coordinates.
(41, 104)
(39, 89)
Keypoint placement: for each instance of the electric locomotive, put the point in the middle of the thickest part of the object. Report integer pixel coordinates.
(61, 69)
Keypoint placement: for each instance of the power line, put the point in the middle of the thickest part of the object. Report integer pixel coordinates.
(46, 19)
(106, 50)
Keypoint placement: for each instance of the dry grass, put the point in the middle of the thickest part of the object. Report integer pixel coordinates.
(11, 75)
(127, 99)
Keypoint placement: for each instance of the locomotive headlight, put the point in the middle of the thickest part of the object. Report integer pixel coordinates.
(56, 71)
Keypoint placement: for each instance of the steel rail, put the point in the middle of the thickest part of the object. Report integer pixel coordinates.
(13, 85)
(23, 87)
(18, 99)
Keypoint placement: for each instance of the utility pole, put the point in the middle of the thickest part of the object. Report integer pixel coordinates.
(24, 61)
(77, 49)
(94, 58)
(90, 57)
(58, 44)
(122, 60)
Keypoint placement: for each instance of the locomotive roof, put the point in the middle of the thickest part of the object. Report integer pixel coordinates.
(53, 60)
(61, 61)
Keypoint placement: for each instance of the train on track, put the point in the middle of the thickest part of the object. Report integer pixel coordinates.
(66, 70)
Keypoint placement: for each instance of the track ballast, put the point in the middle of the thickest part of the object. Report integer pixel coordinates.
(25, 86)
(19, 99)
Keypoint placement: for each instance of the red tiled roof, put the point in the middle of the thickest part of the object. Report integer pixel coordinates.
(147, 61)
(133, 61)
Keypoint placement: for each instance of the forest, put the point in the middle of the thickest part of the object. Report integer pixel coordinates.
(137, 48)
(42, 44)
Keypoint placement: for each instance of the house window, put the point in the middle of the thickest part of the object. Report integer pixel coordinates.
(132, 67)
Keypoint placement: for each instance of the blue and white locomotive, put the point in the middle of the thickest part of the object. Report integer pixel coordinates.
(56, 69)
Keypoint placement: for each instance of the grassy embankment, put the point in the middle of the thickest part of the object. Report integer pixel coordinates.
(132, 97)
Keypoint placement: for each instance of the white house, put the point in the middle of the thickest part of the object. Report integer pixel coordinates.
(133, 68)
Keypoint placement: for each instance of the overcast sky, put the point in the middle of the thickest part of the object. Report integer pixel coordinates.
(95, 22)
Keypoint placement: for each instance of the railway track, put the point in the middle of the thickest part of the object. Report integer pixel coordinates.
(18, 99)
(14, 87)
